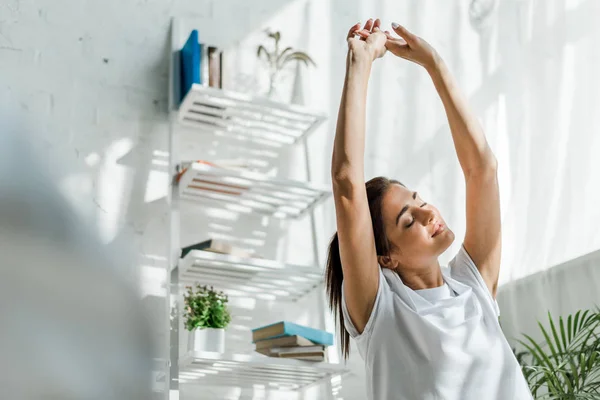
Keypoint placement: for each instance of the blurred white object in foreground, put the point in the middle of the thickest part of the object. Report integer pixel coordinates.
(71, 326)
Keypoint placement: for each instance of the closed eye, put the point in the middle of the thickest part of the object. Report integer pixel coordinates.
(413, 220)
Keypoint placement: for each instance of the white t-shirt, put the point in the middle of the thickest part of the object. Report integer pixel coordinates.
(433, 295)
(437, 344)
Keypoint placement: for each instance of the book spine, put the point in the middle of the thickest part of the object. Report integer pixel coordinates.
(189, 64)
(221, 70)
(196, 246)
(258, 333)
(214, 67)
(204, 65)
(297, 349)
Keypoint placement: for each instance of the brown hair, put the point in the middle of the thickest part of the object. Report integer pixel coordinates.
(376, 189)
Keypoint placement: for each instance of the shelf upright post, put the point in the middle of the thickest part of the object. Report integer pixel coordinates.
(172, 275)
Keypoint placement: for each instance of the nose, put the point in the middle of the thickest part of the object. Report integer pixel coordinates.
(428, 216)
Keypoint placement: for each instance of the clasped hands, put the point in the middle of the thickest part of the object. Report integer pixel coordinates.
(371, 43)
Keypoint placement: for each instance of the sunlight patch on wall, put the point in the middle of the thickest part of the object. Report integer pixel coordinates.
(110, 188)
(92, 159)
(157, 186)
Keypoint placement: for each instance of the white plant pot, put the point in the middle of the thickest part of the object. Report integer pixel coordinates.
(207, 339)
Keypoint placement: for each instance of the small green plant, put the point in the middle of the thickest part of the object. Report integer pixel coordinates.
(278, 60)
(566, 364)
(205, 308)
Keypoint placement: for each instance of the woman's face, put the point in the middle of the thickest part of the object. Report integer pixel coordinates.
(415, 228)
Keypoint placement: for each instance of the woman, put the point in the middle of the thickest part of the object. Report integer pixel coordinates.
(424, 332)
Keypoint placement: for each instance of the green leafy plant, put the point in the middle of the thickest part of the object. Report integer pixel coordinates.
(277, 59)
(205, 308)
(566, 364)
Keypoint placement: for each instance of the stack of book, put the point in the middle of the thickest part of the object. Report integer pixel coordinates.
(222, 247)
(237, 164)
(201, 64)
(288, 340)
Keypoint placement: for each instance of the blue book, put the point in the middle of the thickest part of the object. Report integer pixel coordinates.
(285, 328)
(190, 63)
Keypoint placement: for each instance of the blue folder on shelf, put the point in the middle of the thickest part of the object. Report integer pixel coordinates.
(190, 63)
(285, 328)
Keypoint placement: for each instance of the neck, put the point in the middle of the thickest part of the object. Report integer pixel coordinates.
(423, 278)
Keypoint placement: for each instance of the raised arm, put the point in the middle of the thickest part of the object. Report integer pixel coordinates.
(483, 235)
(483, 238)
(354, 227)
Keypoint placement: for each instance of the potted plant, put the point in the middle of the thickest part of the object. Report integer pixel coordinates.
(278, 60)
(566, 364)
(206, 317)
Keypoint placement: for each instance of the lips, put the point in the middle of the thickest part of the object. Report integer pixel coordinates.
(439, 228)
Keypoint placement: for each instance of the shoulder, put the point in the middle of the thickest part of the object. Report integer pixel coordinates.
(463, 269)
(382, 300)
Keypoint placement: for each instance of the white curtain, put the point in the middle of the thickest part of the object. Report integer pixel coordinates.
(529, 69)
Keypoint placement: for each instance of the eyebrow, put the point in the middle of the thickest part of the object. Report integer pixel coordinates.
(405, 208)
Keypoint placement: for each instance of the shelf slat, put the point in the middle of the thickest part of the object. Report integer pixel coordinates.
(252, 116)
(245, 370)
(250, 192)
(254, 277)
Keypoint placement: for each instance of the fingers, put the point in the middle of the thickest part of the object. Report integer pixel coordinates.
(377, 24)
(352, 31)
(363, 33)
(397, 40)
(370, 27)
(403, 32)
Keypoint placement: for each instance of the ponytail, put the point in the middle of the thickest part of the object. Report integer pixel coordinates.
(334, 277)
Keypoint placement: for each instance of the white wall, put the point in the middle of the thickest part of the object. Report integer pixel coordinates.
(561, 290)
(92, 78)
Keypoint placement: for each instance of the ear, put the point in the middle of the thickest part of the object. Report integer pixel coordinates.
(387, 262)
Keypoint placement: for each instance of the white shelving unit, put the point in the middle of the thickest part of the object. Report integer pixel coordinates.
(247, 118)
(261, 278)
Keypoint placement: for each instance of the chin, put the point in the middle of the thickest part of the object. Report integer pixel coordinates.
(446, 241)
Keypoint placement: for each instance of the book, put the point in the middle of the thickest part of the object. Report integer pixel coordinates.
(214, 67)
(297, 350)
(221, 70)
(284, 328)
(217, 246)
(190, 63)
(266, 352)
(204, 72)
(302, 350)
(314, 356)
(284, 341)
(305, 357)
(238, 164)
(234, 165)
(319, 355)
